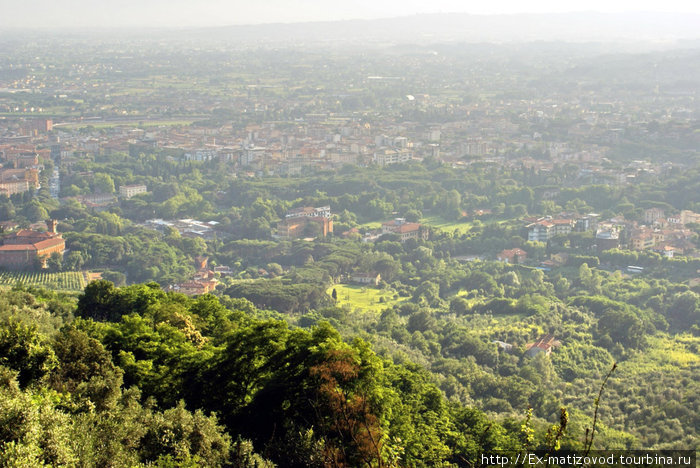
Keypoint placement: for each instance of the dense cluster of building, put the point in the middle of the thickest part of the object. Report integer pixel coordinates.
(204, 280)
(666, 235)
(186, 227)
(20, 167)
(327, 141)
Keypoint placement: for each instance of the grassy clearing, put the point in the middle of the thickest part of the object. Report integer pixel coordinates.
(435, 222)
(371, 225)
(667, 352)
(366, 299)
(62, 281)
(441, 224)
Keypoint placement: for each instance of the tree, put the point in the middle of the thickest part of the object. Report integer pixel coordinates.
(70, 191)
(85, 368)
(116, 277)
(73, 260)
(344, 408)
(589, 279)
(421, 321)
(55, 261)
(35, 211)
(623, 326)
(7, 210)
(103, 183)
(459, 306)
(452, 205)
(685, 310)
(22, 349)
(413, 215)
(388, 268)
(33, 432)
(428, 292)
(192, 435)
(96, 302)
(274, 269)
(36, 429)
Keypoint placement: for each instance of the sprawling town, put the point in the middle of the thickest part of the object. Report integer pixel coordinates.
(74, 113)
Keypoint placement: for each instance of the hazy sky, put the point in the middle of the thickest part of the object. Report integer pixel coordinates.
(183, 13)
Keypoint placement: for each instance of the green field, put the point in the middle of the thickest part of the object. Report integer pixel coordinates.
(62, 281)
(435, 222)
(371, 225)
(364, 298)
(666, 352)
(439, 223)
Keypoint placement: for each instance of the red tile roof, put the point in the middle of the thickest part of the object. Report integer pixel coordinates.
(45, 244)
(408, 227)
(17, 247)
(30, 233)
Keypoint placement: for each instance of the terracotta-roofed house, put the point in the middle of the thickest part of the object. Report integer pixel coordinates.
(544, 344)
(23, 248)
(404, 229)
(513, 256)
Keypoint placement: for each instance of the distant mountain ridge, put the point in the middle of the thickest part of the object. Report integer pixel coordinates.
(426, 29)
(461, 27)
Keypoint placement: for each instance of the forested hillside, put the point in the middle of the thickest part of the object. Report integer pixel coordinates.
(134, 375)
(141, 377)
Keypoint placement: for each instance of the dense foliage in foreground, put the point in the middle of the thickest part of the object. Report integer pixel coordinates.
(135, 375)
(147, 377)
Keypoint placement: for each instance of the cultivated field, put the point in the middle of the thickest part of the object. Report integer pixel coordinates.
(62, 281)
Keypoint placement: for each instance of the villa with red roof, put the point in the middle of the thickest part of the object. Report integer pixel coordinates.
(404, 230)
(513, 256)
(23, 248)
(544, 344)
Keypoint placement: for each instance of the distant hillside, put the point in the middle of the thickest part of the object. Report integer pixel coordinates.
(474, 28)
(633, 29)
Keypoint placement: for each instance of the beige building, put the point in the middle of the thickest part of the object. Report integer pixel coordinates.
(405, 230)
(653, 214)
(128, 191)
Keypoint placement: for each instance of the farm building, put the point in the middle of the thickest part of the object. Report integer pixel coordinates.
(544, 344)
